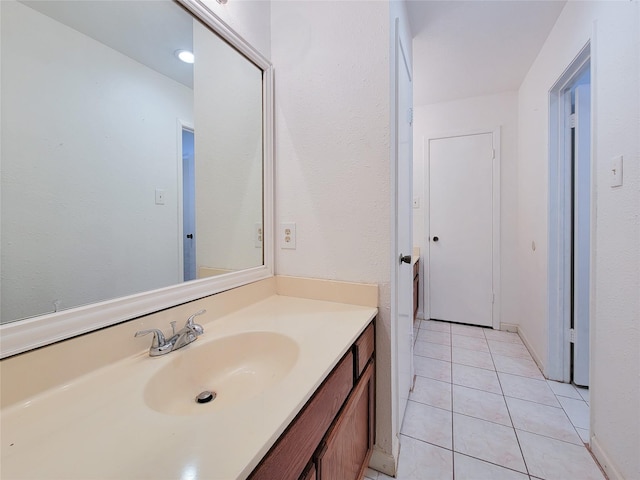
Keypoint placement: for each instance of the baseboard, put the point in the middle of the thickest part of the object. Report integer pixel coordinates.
(509, 327)
(603, 459)
(532, 351)
(385, 462)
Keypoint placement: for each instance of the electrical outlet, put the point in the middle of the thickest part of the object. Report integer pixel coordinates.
(288, 235)
(258, 235)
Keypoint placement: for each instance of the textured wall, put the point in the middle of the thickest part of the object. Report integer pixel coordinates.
(332, 152)
(613, 28)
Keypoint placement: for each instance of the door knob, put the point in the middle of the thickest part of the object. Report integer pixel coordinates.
(435, 239)
(189, 235)
(405, 258)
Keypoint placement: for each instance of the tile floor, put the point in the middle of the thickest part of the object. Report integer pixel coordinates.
(481, 409)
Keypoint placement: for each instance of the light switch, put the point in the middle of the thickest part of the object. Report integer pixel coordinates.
(616, 172)
(159, 196)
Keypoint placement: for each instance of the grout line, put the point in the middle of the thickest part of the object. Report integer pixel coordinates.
(491, 463)
(524, 460)
(581, 444)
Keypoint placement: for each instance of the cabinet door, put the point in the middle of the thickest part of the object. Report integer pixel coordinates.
(309, 473)
(349, 444)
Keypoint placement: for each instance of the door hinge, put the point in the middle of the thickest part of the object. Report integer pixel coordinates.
(493, 298)
(572, 335)
(493, 153)
(410, 116)
(572, 120)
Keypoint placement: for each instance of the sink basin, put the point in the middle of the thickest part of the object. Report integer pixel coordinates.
(236, 368)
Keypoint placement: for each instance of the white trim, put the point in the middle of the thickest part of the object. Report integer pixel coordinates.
(393, 320)
(496, 216)
(603, 459)
(20, 336)
(559, 236)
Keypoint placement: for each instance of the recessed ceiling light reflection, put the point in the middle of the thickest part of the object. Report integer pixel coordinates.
(185, 55)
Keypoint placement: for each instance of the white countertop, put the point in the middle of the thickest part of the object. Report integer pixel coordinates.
(99, 426)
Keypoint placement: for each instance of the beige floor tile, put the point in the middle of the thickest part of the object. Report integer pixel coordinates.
(429, 424)
(557, 460)
(524, 367)
(564, 389)
(471, 343)
(477, 378)
(577, 411)
(479, 404)
(432, 350)
(436, 326)
(432, 392)
(422, 461)
(468, 468)
(508, 349)
(487, 441)
(500, 336)
(543, 420)
(527, 389)
(433, 336)
(467, 330)
(432, 368)
(472, 358)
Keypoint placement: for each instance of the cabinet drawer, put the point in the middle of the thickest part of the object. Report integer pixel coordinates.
(364, 347)
(289, 457)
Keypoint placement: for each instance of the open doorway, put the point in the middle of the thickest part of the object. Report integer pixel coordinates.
(188, 240)
(570, 223)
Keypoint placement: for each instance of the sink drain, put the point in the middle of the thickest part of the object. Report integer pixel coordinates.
(205, 397)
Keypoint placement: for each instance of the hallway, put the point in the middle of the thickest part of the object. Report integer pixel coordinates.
(481, 409)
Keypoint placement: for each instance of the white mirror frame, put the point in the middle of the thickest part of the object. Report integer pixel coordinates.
(23, 335)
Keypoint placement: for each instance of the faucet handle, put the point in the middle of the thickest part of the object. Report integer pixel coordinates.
(197, 329)
(190, 319)
(158, 337)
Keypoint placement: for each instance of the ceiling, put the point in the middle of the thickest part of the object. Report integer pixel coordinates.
(146, 31)
(471, 48)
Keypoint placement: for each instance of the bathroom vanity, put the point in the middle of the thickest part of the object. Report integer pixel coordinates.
(333, 435)
(294, 379)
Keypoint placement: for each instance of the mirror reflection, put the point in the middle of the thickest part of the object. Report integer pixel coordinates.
(123, 168)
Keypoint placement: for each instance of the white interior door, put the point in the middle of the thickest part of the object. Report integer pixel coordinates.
(404, 229)
(581, 233)
(461, 229)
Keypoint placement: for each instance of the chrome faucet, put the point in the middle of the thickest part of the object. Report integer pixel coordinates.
(160, 345)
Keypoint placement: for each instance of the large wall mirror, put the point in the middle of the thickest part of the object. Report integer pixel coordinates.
(131, 180)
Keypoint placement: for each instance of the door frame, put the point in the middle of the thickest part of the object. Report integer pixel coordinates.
(426, 244)
(559, 211)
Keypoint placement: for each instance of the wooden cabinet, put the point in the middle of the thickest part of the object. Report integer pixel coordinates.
(332, 437)
(416, 286)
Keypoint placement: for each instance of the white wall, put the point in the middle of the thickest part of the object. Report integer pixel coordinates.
(613, 28)
(228, 154)
(251, 19)
(459, 117)
(332, 154)
(91, 133)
